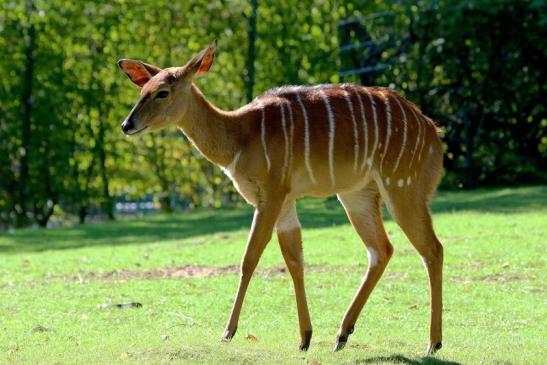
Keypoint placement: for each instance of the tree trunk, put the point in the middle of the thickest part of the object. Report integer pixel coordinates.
(26, 100)
(156, 154)
(45, 213)
(108, 203)
(165, 204)
(469, 140)
(250, 80)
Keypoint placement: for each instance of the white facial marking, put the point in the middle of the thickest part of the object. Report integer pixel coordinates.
(387, 181)
(306, 139)
(263, 135)
(331, 135)
(400, 183)
(355, 131)
(403, 145)
(408, 180)
(372, 257)
(132, 111)
(286, 136)
(388, 131)
(365, 129)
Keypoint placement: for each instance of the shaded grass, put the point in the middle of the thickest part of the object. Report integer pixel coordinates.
(314, 213)
(495, 243)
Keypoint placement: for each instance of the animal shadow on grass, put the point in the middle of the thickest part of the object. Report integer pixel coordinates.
(400, 359)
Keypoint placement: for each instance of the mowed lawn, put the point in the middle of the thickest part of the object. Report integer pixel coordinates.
(183, 270)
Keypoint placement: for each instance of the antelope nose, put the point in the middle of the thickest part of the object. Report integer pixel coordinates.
(127, 125)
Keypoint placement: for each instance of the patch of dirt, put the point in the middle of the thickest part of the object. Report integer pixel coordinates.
(203, 271)
(40, 328)
(186, 271)
(497, 277)
(473, 265)
(503, 278)
(393, 275)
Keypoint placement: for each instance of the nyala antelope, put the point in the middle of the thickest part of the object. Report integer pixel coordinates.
(365, 144)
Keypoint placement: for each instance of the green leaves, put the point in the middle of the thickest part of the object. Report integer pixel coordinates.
(476, 68)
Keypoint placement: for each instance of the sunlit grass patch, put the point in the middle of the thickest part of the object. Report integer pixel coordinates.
(183, 270)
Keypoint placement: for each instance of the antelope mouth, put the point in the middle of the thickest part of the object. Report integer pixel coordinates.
(133, 133)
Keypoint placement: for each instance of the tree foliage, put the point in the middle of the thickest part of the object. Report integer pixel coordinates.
(476, 67)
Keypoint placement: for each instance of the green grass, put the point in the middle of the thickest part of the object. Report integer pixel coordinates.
(52, 282)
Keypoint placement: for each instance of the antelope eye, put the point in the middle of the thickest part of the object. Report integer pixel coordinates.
(162, 94)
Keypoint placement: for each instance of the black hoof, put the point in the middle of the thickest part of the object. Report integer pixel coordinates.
(434, 348)
(341, 340)
(227, 336)
(340, 343)
(306, 341)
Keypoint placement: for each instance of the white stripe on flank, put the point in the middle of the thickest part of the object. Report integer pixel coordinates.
(285, 135)
(306, 139)
(423, 141)
(417, 137)
(383, 191)
(331, 135)
(365, 129)
(291, 132)
(231, 168)
(355, 131)
(376, 132)
(404, 136)
(388, 131)
(263, 135)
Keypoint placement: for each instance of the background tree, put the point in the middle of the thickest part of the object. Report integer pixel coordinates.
(475, 67)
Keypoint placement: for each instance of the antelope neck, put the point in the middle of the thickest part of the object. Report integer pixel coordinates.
(214, 132)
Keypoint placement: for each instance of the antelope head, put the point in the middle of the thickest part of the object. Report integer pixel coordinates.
(164, 95)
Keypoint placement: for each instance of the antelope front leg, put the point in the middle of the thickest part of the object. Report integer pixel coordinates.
(264, 219)
(290, 240)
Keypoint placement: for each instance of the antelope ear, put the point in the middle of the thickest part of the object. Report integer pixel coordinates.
(137, 71)
(202, 62)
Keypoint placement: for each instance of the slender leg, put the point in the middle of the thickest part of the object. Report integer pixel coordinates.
(363, 210)
(290, 241)
(412, 215)
(261, 232)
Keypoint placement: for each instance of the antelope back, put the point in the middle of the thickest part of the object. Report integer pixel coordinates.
(331, 137)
